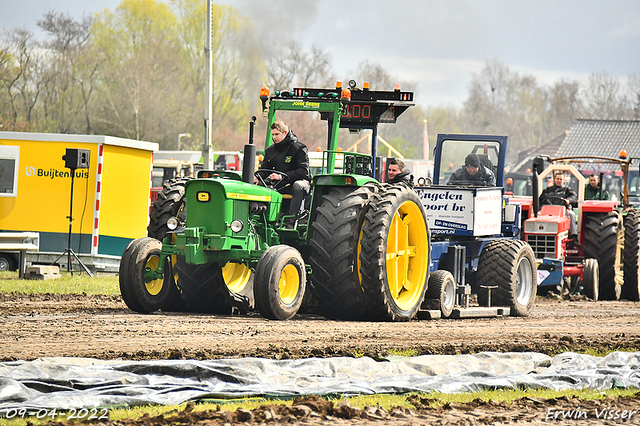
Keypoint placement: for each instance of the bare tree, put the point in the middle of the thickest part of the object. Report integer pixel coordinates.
(634, 88)
(73, 72)
(378, 77)
(604, 98)
(22, 80)
(564, 106)
(294, 66)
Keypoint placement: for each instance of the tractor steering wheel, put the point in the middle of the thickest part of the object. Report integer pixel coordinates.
(277, 185)
(550, 199)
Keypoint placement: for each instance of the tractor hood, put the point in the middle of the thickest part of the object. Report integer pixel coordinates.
(214, 203)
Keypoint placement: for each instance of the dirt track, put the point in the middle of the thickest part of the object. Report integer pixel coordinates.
(103, 327)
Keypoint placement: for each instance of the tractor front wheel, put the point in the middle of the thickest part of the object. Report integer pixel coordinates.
(394, 255)
(280, 282)
(511, 265)
(141, 294)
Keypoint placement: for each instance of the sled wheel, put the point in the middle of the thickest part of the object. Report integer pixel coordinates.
(441, 293)
(394, 255)
(631, 254)
(335, 246)
(139, 292)
(511, 265)
(590, 285)
(280, 282)
(603, 240)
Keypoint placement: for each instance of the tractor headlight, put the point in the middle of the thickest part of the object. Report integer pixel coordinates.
(236, 225)
(172, 223)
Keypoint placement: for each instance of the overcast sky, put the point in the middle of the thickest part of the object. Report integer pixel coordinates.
(437, 44)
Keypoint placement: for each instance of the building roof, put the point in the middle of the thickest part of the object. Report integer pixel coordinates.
(602, 138)
(526, 156)
(588, 137)
(550, 148)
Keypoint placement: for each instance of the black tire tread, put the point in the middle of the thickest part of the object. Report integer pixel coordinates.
(631, 286)
(601, 242)
(335, 235)
(124, 274)
(433, 295)
(498, 266)
(170, 203)
(203, 288)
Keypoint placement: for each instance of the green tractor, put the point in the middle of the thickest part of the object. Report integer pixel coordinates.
(218, 243)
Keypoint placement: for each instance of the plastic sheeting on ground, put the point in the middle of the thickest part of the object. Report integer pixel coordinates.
(75, 383)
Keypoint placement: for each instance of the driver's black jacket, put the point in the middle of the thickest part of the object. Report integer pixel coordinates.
(290, 157)
(552, 192)
(404, 177)
(484, 176)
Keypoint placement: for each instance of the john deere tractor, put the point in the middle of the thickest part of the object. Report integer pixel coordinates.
(217, 243)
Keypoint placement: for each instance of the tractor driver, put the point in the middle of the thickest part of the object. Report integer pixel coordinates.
(291, 157)
(592, 190)
(397, 174)
(558, 194)
(473, 172)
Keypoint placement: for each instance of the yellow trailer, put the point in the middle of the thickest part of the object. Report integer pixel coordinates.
(110, 196)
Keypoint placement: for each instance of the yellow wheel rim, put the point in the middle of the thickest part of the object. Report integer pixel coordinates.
(236, 276)
(289, 284)
(407, 255)
(154, 287)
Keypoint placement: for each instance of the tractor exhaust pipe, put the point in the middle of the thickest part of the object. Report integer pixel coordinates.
(250, 151)
(537, 167)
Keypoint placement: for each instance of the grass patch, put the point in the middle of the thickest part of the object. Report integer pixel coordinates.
(78, 283)
(386, 401)
(403, 352)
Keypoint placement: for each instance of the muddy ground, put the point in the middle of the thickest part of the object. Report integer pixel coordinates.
(103, 327)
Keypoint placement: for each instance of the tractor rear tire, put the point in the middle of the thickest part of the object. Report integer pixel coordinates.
(170, 203)
(441, 293)
(590, 280)
(603, 241)
(631, 254)
(511, 265)
(394, 257)
(204, 290)
(335, 245)
(139, 295)
(280, 282)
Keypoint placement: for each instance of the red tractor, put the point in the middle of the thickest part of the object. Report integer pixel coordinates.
(604, 261)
